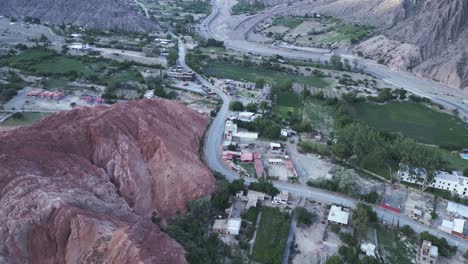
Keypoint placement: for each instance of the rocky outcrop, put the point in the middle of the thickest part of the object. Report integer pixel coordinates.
(102, 14)
(438, 28)
(81, 186)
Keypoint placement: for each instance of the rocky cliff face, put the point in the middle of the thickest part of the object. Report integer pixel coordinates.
(103, 14)
(436, 29)
(81, 186)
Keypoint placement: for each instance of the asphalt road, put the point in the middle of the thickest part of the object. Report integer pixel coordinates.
(217, 26)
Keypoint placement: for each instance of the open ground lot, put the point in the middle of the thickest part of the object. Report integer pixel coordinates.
(322, 32)
(315, 242)
(237, 72)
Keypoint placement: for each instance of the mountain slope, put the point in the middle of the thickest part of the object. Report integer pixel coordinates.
(103, 14)
(81, 186)
(434, 34)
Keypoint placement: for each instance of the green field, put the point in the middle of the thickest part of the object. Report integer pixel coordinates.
(62, 68)
(288, 104)
(238, 72)
(416, 121)
(272, 234)
(27, 119)
(346, 32)
(319, 114)
(250, 168)
(454, 160)
(288, 21)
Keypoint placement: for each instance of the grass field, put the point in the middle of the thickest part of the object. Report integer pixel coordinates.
(250, 168)
(27, 119)
(319, 114)
(346, 32)
(288, 104)
(416, 121)
(238, 72)
(288, 21)
(61, 68)
(272, 233)
(454, 159)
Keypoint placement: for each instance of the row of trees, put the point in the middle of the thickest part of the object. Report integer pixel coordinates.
(357, 142)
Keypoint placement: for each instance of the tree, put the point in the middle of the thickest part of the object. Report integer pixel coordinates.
(232, 147)
(236, 106)
(363, 217)
(44, 40)
(251, 107)
(259, 83)
(264, 107)
(303, 216)
(264, 186)
(336, 63)
(236, 186)
(17, 115)
(334, 260)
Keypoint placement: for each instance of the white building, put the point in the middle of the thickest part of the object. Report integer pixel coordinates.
(457, 210)
(231, 132)
(338, 216)
(227, 226)
(453, 182)
(247, 116)
(79, 47)
(282, 197)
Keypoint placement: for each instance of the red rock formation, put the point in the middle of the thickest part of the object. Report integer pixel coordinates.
(80, 186)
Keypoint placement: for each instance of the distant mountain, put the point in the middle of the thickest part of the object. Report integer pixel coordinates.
(103, 14)
(429, 37)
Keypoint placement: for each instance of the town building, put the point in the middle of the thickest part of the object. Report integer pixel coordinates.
(227, 226)
(282, 197)
(338, 215)
(418, 211)
(247, 116)
(231, 134)
(457, 210)
(368, 249)
(287, 132)
(180, 73)
(40, 93)
(80, 48)
(429, 253)
(252, 198)
(453, 182)
(264, 95)
(275, 147)
(457, 227)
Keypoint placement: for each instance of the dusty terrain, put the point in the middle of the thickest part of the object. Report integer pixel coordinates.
(428, 37)
(103, 14)
(81, 186)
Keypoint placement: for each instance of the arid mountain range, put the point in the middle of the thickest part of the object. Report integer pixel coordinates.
(82, 186)
(428, 36)
(102, 14)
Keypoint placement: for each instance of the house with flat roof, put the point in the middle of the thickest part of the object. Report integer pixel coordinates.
(429, 253)
(338, 216)
(282, 197)
(229, 226)
(457, 210)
